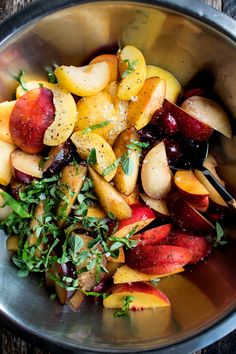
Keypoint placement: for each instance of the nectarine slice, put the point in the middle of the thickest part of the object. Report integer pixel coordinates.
(145, 296)
(13, 243)
(5, 113)
(142, 216)
(110, 199)
(104, 153)
(65, 118)
(173, 87)
(77, 299)
(85, 80)
(125, 274)
(26, 163)
(5, 162)
(159, 205)
(155, 172)
(31, 116)
(153, 236)
(208, 112)
(112, 61)
(132, 67)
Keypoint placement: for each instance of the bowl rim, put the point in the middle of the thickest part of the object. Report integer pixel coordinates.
(191, 8)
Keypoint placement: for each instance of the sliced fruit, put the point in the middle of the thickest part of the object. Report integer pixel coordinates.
(155, 172)
(5, 113)
(65, 118)
(159, 205)
(30, 85)
(31, 116)
(112, 61)
(153, 236)
(120, 259)
(157, 259)
(13, 243)
(26, 167)
(208, 112)
(190, 127)
(141, 217)
(125, 274)
(77, 299)
(198, 245)
(144, 296)
(210, 163)
(5, 211)
(95, 212)
(95, 110)
(173, 87)
(85, 80)
(104, 153)
(213, 194)
(5, 162)
(58, 157)
(125, 183)
(133, 72)
(186, 216)
(71, 181)
(148, 100)
(37, 220)
(133, 198)
(109, 198)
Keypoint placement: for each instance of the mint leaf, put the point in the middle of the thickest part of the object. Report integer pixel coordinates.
(127, 300)
(95, 127)
(20, 79)
(92, 157)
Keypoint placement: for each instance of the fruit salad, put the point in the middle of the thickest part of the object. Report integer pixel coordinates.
(89, 196)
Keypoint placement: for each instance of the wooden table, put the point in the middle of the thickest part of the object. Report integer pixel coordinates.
(9, 343)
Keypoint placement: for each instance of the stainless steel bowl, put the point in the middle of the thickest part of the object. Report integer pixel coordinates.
(184, 37)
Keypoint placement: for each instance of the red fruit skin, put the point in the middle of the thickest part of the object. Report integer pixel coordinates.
(139, 212)
(32, 114)
(158, 259)
(201, 203)
(140, 287)
(186, 217)
(22, 177)
(188, 126)
(154, 236)
(197, 91)
(197, 245)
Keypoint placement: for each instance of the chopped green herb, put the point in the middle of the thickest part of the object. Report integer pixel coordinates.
(51, 76)
(137, 145)
(111, 167)
(131, 66)
(95, 126)
(40, 84)
(155, 281)
(92, 157)
(111, 215)
(96, 294)
(127, 164)
(20, 79)
(123, 241)
(127, 300)
(15, 205)
(220, 238)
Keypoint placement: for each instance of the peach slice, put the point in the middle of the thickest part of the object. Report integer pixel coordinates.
(70, 184)
(133, 198)
(154, 236)
(5, 164)
(85, 80)
(145, 296)
(126, 183)
(5, 113)
(157, 259)
(159, 205)
(104, 153)
(13, 243)
(208, 112)
(96, 109)
(141, 217)
(95, 212)
(148, 100)
(65, 118)
(198, 245)
(186, 216)
(173, 87)
(30, 85)
(213, 194)
(5, 211)
(190, 127)
(125, 274)
(155, 172)
(26, 164)
(109, 198)
(132, 67)
(36, 221)
(112, 61)
(31, 116)
(77, 299)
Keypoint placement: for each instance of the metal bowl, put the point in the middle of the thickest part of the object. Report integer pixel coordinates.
(184, 37)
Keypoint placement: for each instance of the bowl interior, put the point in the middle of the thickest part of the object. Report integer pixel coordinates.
(205, 293)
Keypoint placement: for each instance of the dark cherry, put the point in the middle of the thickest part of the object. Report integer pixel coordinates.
(173, 149)
(169, 123)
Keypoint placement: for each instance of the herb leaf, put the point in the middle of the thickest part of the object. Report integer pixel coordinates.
(51, 76)
(95, 126)
(220, 239)
(111, 167)
(127, 164)
(137, 145)
(15, 205)
(20, 79)
(127, 300)
(92, 157)
(131, 66)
